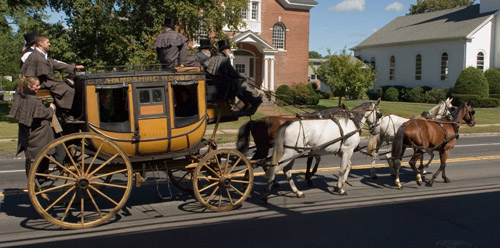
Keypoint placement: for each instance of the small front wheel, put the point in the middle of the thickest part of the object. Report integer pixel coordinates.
(223, 180)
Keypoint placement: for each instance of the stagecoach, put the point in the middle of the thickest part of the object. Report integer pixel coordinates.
(127, 124)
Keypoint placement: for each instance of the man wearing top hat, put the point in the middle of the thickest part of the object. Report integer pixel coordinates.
(204, 52)
(171, 47)
(29, 46)
(221, 69)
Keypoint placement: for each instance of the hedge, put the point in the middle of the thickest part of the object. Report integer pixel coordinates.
(493, 77)
(472, 81)
(391, 94)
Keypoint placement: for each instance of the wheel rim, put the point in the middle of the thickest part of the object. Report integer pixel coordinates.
(223, 180)
(182, 178)
(79, 192)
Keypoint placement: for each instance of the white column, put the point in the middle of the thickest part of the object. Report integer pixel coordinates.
(272, 75)
(266, 74)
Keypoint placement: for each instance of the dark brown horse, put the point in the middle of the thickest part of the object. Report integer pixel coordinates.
(429, 135)
(264, 132)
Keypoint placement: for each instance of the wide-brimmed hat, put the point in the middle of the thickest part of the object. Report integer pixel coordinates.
(30, 38)
(223, 44)
(168, 22)
(205, 44)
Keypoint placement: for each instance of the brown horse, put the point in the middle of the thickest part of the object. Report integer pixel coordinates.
(264, 132)
(429, 135)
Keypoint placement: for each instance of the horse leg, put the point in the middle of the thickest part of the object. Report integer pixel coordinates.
(396, 166)
(309, 174)
(270, 180)
(413, 161)
(288, 172)
(443, 155)
(344, 171)
(374, 158)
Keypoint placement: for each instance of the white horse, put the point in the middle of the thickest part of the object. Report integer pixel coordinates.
(339, 135)
(389, 125)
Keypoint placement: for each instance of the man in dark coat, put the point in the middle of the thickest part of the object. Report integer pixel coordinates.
(40, 65)
(34, 119)
(29, 46)
(220, 68)
(171, 47)
(204, 52)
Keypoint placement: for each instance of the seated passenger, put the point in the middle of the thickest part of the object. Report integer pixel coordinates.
(185, 106)
(221, 69)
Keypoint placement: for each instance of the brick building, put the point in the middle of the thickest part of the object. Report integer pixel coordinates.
(274, 50)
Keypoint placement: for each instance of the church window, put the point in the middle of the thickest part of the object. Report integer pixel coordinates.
(392, 68)
(418, 67)
(444, 66)
(279, 35)
(480, 61)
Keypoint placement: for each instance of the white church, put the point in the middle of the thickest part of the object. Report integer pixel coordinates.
(431, 49)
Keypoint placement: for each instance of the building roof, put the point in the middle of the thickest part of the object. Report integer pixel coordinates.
(450, 24)
(298, 4)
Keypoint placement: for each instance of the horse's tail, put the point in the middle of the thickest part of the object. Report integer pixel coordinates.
(373, 143)
(279, 146)
(398, 143)
(243, 141)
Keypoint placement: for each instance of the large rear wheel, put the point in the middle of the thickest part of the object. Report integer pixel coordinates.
(76, 191)
(223, 180)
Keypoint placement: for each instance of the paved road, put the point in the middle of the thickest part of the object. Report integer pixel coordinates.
(373, 214)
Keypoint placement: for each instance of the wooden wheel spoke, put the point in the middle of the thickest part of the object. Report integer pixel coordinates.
(213, 194)
(235, 189)
(234, 166)
(240, 173)
(68, 207)
(94, 158)
(55, 176)
(104, 164)
(212, 170)
(209, 178)
(53, 188)
(83, 157)
(240, 181)
(229, 196)
(110, 185)
(93, 202)
(218, 163)
(59, 199)
(209, 186)
(61, 166)
(227, 162)
(108, 174)
(220, 200)
(103, 195)
(70, 157)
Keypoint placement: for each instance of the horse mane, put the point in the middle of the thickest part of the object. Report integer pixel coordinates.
(457, 112)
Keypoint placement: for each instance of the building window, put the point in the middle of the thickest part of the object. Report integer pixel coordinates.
(279, 36)
(254, 14)
(372, 63)
(444, 66)
(240, 68)
(244, 13)
(480, 61)
(392, 69)
(418, 67)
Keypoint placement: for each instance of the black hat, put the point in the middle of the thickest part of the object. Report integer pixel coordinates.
(30, 38)
(168, 22)
(205, 44)
(223, 44)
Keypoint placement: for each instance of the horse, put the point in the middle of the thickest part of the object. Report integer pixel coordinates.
(264, 132)
(338, 135)
(429, 135)
(389, 125)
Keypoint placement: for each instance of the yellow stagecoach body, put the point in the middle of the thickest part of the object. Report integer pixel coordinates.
(147, 113)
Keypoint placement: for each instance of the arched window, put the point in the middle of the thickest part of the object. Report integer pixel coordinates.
(392, 69)
(372, 63)
(418, 67)
(480, 61)
(279, 35)
(444, 66)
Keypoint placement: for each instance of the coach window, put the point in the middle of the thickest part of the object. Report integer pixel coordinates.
(186, 110)
(151, 101)
(113, 109)
(444, 66)
(392, 68)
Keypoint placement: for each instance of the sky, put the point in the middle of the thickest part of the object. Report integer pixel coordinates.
(339, 24)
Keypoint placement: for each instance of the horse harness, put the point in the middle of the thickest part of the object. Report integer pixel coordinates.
(446, 138)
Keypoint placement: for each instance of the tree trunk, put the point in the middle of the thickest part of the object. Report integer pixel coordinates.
(340, 101)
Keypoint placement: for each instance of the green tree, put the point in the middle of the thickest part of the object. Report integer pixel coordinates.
(423, 6)
(493, 77)
(345, 77)
(314, 55)
(122, 32)
(472, 81)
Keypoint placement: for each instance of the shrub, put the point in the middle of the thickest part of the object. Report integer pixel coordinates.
(472, 81)
(497, 96)
(415, 95)
(391, 94)
(493, 78)
(459, 98)
(283, 90)
(284, 94)
(487, 103)
(304, 94)
(435, 95)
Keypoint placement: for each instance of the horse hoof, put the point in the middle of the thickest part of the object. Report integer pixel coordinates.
(301, 195)
(374, 177)
(446, 180)
(343, 192)
(264, 200)
(310, 183)
(400, 186)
